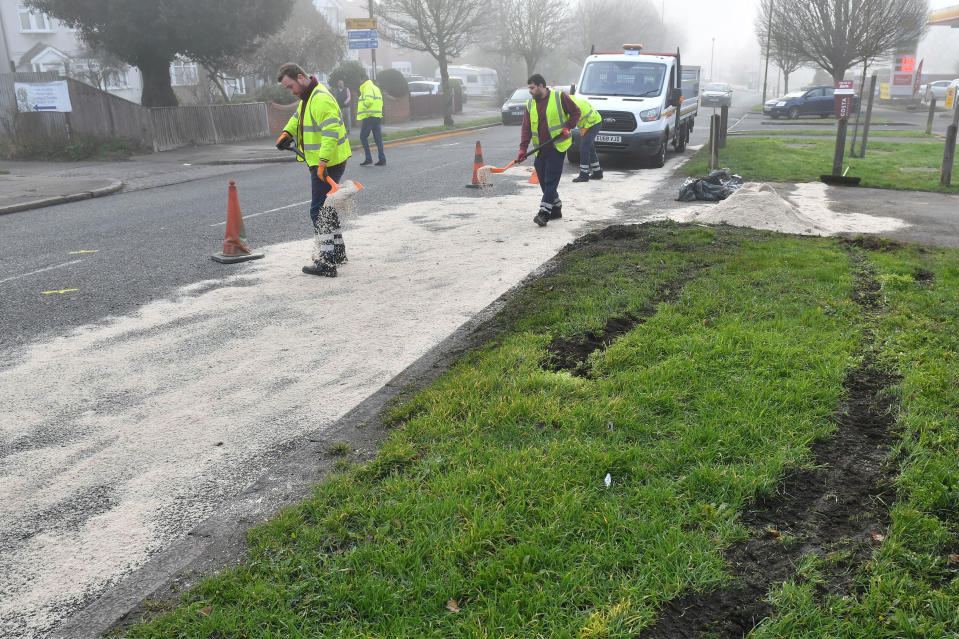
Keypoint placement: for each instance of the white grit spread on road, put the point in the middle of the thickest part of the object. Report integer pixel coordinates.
(123, 435)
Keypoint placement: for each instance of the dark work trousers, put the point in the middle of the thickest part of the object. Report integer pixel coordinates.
(549, 168)
(588, 159)
(326, 221)
(372, 125)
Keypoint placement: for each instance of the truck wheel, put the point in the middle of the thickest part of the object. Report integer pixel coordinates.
(679, 142)
(794, 113)
(659, 160)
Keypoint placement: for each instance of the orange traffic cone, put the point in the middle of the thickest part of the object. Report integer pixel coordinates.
(236, 248)
(534, 178)
(477, 163)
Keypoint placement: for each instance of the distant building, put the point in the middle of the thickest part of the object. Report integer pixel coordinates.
(32, 41)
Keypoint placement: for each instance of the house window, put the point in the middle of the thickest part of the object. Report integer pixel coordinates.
(32, 22)
(183, 73)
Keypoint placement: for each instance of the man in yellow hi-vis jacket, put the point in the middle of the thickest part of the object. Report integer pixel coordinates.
(317, 132)
(369, 111)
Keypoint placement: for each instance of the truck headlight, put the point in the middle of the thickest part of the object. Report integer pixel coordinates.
(649, 115)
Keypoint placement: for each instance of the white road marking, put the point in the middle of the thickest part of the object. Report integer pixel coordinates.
(745, 115)
(246, 217)
(42, 270)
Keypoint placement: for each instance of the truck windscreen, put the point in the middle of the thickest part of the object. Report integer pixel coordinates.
(623, 77)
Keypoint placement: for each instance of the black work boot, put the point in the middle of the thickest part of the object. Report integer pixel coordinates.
(556, 213)
(321, 269)
(542, 217)
(366, 162)
(597, 175)
(583, 177)
(339, 250)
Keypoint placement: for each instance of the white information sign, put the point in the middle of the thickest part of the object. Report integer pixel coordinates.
(43, 96)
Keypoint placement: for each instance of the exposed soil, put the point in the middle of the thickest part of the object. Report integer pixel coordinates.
(839, 511)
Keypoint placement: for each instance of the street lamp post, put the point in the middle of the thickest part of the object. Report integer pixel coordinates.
(712, 51)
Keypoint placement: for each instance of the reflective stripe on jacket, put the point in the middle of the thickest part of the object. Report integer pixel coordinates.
(590, 116)
(370, 103)
(556, 117)
(323, 136)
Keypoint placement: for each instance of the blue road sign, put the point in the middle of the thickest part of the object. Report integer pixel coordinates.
(363, 44)
(361, 34)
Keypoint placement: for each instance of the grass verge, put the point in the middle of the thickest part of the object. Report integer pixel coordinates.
(804, 160)
(425, 130)
(873, 133)
(721, 359)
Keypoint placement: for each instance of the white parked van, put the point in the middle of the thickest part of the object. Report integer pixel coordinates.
(647, 100)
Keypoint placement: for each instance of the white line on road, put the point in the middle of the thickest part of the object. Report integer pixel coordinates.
(42, 270)
(745, 115)
(246, 217)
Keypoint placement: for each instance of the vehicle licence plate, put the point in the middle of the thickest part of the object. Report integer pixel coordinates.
(609, 138)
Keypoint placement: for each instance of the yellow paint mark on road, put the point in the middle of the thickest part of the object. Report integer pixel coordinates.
(84, 251)
(427, 138)
(61, 291)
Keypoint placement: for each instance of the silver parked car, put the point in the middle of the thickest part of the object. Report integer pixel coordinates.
(716, 94)
(936, 89)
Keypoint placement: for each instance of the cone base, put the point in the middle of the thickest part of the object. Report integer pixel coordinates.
(474, 186)
(233, 259)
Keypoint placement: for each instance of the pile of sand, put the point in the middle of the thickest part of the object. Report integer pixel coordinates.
(759, 206)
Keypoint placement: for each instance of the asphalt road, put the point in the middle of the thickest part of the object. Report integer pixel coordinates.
(69, 265)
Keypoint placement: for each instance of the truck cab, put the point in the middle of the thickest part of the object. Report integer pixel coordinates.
(647, 100)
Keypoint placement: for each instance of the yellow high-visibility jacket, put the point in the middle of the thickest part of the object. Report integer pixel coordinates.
(323, 135)
(590, 116)
(370, 103)
(556, 117)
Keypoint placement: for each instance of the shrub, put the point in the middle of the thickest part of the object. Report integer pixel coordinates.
(274, 92)
(393, 82)
(352, 74)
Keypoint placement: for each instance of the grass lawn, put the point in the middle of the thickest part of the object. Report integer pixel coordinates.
(424, 130)
(772, 159)
(731, 385)
(873, 133)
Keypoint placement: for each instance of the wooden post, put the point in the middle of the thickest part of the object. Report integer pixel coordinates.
(840, 147)
(932, 114)
(865, 126)
(713, 142)
(949, 154)
(723, 125)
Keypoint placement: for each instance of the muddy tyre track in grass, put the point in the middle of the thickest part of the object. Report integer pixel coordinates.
(838, 510)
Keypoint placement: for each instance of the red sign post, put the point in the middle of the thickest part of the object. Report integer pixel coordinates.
(843, 99)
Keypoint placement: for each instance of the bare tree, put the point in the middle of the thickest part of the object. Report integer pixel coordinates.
(441, 28)
(837, 34)
(782, 50)
(306, 38)
(533, 29)
(99, 68)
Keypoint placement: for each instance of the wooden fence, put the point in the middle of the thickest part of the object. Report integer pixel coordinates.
(97, 114)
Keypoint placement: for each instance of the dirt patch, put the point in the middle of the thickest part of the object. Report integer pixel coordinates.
(871, 242)
(839, 511)
(573, 354)
(924, 276)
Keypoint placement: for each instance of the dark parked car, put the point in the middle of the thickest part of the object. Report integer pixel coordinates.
(716, 94)
(515, 106)
(816, 101)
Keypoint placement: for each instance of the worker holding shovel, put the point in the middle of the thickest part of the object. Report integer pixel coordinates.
(549, 117)
(317, 134)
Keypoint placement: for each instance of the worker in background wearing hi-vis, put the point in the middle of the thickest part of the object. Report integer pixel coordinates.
(369, 111)
(317, 131)
(589, 123)
(548, 114)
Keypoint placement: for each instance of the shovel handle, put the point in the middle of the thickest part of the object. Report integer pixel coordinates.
(334, 187)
